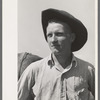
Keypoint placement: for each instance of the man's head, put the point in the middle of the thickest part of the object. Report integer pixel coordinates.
(76, 26)
(59, 37)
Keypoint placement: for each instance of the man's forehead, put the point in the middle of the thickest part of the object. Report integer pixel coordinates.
(55, 27)
(59, 23)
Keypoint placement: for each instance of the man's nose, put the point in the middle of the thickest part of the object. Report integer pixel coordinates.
(54, 38)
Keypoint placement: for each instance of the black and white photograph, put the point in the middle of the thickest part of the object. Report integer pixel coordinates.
(56, 56)
(56, 50)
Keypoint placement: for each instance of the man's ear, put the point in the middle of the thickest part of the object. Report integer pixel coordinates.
(73, 37)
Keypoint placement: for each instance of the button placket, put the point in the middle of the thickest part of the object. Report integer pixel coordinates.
(63, 88)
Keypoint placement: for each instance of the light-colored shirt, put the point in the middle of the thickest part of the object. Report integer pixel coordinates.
(50, 82)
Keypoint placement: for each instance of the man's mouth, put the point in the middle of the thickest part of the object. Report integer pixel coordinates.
(54, 45)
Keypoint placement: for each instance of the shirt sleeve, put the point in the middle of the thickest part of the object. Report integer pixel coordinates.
(92, 80)
(26, 82)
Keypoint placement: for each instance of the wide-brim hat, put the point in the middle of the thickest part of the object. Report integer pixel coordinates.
(77, 26)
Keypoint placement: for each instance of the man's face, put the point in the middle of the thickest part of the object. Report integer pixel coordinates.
(59, 37)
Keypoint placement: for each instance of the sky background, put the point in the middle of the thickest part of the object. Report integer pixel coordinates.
(30, 33)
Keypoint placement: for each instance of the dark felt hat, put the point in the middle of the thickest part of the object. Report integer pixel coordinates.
(77, 27)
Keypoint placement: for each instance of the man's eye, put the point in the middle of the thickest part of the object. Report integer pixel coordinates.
(49, 35)
(59, 34)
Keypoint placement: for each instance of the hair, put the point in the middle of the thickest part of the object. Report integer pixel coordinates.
(58, 21)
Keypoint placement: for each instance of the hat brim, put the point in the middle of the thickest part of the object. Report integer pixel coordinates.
(77, 27)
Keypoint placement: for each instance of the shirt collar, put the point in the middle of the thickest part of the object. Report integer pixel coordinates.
(72, 64)
(74, 61)
(50, 60)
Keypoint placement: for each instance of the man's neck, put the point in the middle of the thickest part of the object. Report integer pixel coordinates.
(63, 60)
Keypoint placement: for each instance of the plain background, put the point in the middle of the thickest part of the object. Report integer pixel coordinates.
(30, 33)
(10, 47)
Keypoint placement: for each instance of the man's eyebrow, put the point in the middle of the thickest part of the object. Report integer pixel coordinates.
(59, 32)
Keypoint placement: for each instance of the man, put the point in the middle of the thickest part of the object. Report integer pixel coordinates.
(61, 75)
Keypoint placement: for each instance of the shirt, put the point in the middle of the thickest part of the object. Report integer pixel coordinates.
(50, 82)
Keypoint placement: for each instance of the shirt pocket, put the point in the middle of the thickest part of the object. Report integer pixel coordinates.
(80, 83)
(81, 88)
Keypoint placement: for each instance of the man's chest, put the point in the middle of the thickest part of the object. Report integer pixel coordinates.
(56, 84)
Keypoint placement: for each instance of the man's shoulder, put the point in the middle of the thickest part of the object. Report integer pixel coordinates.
(39, 63)
(84, 63)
